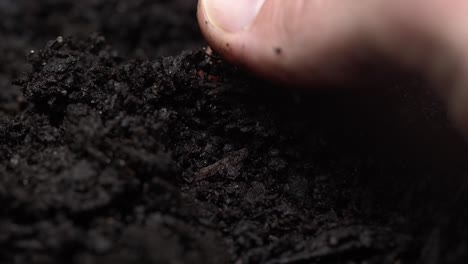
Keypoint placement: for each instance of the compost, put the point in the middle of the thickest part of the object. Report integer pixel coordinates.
(122, 140)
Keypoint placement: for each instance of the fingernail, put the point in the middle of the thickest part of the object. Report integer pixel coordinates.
(232, 15)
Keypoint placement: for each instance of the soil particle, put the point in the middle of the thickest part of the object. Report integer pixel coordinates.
(229, 166)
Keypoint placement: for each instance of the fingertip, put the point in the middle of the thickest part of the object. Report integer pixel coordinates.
(273, 45)
(221, 41)
(256, 45)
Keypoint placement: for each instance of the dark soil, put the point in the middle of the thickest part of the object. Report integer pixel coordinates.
(110, 153)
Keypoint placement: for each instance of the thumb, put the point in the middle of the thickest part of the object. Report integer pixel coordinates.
(294, 41)
(308, 41)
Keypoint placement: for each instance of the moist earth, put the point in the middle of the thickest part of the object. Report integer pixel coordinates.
(136, 145)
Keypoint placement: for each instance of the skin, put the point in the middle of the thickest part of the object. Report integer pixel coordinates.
(304, 42)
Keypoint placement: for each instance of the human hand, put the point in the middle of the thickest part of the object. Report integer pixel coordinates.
(302, 42)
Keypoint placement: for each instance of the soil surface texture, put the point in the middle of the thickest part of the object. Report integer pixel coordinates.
(122, 140)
